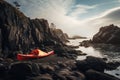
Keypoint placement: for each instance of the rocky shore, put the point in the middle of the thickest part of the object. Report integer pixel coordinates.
(107, 42)
(56, 68)
(19, 34)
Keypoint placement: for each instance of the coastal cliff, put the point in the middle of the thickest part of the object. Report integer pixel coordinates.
(107, 34)
(20, 33)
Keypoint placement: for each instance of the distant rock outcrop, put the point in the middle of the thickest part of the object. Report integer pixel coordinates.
(77, 37)
(108, 34)
(58, 33)
(18, 32)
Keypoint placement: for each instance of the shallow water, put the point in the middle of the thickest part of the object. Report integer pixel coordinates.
(108, 51)
(115, 72)
(90, 51)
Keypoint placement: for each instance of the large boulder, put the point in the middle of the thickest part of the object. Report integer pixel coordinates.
(108, 34)
(91, 63)
(66, 74)
(46, 68)
(41, 77)
(95, 75)
(21, 70)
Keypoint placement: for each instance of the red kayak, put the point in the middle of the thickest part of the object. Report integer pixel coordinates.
(34, 55)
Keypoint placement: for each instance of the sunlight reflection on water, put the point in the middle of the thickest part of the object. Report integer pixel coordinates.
(90, 51)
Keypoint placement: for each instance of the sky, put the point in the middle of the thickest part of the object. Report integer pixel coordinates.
(75, 17)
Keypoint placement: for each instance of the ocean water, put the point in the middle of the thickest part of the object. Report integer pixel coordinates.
(90, 51)
(104, 51)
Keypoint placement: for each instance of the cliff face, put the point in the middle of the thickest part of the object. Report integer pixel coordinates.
(58, 33)
(18, 32)
(108, 34)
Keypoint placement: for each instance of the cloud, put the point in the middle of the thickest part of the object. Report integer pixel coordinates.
(111, 16)
(64, 14)
(80, 9)
(118, 0)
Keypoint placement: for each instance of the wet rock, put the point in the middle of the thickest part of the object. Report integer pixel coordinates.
(66, 51)
(3, 70)
(42, 77)
(72, 78)
(60, 77)
(95, 75)
(112, 65)
(62, 65)
(66, 74)
(96, 63)
(74, 46)
(62, 74)
(35, 68)
(82, 65)
(79, 52)
(105, 59)
(83, 54)
(1, 59)
(20, 70)
(71, 64)
(79, 75)
(9, 60)
(91, 63)
(56, 67)
(46, 68)
(85, 43)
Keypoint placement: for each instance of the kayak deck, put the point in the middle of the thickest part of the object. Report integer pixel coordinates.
(33, 56)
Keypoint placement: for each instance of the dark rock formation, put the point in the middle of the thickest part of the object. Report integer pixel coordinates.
(2, 70)
(85, 43)
(95, 75)
(91, 63)
(58, 33)
(29, 70)
(20, 70)
(108, 34)
(20, 33)
(77, 37)
(46, 69)
(42, 77)
(64, 69)
(66, 74)
(112, 65)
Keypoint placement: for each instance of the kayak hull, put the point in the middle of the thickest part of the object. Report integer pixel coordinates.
(32, 56)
